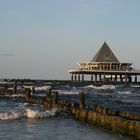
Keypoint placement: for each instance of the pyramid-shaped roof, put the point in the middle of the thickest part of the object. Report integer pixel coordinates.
(105, 55)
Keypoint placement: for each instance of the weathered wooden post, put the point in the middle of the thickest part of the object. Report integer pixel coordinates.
(125, 78)
(27, 95)
(33, 89)
(137, 130)
(14, 89)
(82, 100)
(48, 94)
(47, 99)
(6, 88)
(55, 98)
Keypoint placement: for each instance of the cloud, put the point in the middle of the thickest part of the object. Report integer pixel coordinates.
(8, 54)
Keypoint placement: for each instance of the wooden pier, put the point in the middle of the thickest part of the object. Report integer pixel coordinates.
(105, 68)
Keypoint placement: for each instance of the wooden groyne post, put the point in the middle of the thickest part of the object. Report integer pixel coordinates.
(33, 89)
(6, 88)
(119, 122)
(48, 94)
(27, 94)
(15, 89)
(55, 99)
(82, 100)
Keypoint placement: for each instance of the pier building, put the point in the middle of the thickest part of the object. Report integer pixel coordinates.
(105, 68)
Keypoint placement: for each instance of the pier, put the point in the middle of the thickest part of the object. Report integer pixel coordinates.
(105, 68)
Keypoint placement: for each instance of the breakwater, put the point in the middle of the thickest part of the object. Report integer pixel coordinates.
(124, 123)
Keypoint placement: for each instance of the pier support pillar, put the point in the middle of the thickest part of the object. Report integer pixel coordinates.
(82, 77)
(95, 78)
(78, 77)
(130, 79)
(71, 77)
(91, 78)
(75, 77)
(121, 79)
(104, 78)
(115, 78)
(100, 80)
(111, 78)
(135, 78)
(125, 78)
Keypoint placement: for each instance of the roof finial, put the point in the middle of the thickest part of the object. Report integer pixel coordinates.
(105, 42)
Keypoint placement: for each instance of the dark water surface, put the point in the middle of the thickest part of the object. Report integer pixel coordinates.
(20, 121)
(52, 129)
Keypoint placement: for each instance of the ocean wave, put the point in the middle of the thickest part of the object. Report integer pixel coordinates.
(125, 92)
(39, 88)
(39, 114)
(13, 95)
(135, 86)
(27, 111)
(42, 88)
(103, 87)
(61, 92)
(12, 115)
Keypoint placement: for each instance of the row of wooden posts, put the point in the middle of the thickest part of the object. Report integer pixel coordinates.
(124, 123)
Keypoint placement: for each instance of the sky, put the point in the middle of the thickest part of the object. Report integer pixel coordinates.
(43, 39)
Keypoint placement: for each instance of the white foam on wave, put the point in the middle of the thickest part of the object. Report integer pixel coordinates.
(42, 88)
(19, 88)
(48, 83)
(28, 87)
(65, 92)
(39, 88)
(26, 111)
(125, 92)
(103, 87)
(135, 86)
(4, 82)
(10, 115)
(38, 114)
(14, 95)
(17, 95)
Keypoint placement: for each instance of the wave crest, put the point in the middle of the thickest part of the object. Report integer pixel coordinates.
(32, 112)
(103, 87)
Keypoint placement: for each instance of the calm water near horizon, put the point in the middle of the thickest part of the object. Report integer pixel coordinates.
(19, 120)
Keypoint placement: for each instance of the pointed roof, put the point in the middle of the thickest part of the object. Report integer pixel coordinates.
(105, 55)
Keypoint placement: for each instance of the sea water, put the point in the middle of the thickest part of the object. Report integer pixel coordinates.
(20, 121)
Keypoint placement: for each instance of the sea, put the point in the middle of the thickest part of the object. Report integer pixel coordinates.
(20, 120)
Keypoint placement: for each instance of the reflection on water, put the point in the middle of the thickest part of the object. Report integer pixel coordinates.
(53, 129)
